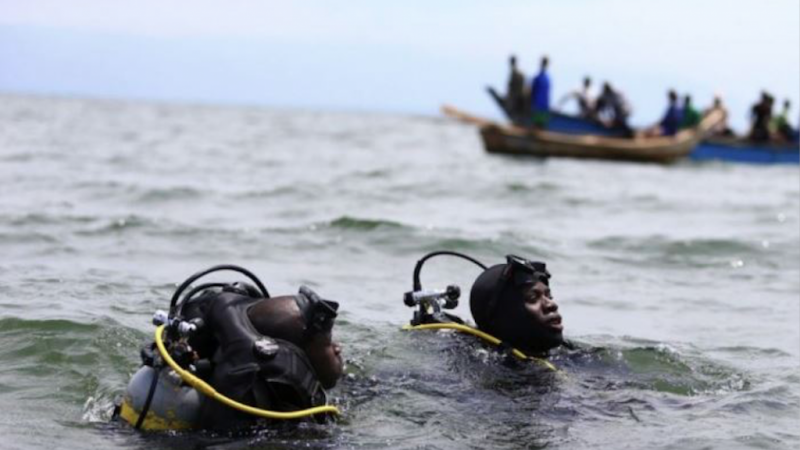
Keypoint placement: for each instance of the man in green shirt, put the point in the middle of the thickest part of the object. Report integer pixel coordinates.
(691, 116)
(780, 124)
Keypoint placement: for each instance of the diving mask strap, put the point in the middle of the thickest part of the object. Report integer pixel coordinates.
(317, 312)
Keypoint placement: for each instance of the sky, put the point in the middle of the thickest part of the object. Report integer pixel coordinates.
(405, 57)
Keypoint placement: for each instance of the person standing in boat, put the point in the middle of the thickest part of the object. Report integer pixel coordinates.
(691, 116)
(540, 96)
(672, 117)
(761, 116)
(612, 109)
(585, 99)
(515, 94)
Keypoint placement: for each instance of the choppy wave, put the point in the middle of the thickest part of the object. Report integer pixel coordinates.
(662, 245)
(454, 376)
(540, 187)
(67, 362)
(352, 223)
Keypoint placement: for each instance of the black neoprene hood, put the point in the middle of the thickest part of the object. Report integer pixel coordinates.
(500, 288)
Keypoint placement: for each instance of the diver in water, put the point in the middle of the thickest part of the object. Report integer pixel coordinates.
(511, 304)
(227, 356)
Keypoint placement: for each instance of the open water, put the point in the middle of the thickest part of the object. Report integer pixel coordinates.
(680, 284)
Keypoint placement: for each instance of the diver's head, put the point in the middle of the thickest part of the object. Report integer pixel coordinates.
(307, 323)
(513, 302)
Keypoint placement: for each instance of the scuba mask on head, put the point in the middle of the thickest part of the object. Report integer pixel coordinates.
(518, 272)
(318, 313)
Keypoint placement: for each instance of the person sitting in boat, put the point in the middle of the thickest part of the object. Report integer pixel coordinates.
(540, 96)
(780, 124)
(691, 116)
(760, 118)
(720, 128)
(584, 98)
(611, 108)
(515, 94)
(269, 357)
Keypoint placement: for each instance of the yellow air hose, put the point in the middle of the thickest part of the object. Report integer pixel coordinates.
(475, 332)
(210, 392)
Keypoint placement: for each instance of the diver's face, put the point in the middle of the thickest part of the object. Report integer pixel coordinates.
(326, 358)
(543, 311)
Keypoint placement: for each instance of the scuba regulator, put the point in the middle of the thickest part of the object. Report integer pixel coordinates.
(431, 304)
(206, 344)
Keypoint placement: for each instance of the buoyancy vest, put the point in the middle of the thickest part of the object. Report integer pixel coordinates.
(252, 368)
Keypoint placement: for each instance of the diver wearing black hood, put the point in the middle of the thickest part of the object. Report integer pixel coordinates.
(511, 303)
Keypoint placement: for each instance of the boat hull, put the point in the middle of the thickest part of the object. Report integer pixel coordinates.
(515, 140)
(545, 144)
(736, 150)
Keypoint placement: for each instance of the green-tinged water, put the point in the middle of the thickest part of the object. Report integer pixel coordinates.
(680, 284)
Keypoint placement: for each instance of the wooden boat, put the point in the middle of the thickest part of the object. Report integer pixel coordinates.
(514, 140)
(712, 148)
(741, 150)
